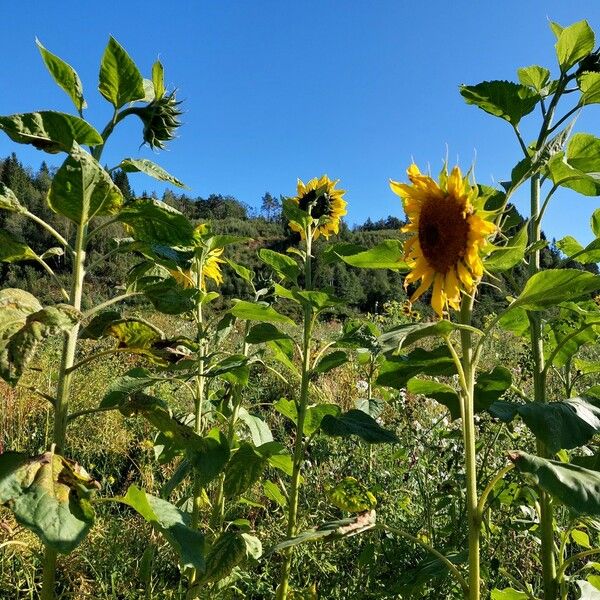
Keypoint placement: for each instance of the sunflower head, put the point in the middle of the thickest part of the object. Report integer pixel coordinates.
(322, 203)
(161, 120)
(209, 256)
(448, 228)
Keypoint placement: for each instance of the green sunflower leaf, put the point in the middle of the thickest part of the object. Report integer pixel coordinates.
(388, 254)
(82, 189)
(8, 200)
(573, 44)
(64, 75)
(156, 222)
(576, 487)
(49, 495)
(50, 131)
(356, 422)
(120, 79)
(143, 165)
(12, 250)
(171, 523)
(285, 266)
(352, 496)
(506, 257)
(440, 392)
(505, 99)
(553, 286)
(258, 312)
(535, 77)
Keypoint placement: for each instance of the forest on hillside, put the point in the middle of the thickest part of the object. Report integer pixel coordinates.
(364, 292)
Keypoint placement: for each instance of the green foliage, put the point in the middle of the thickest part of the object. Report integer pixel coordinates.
(50, 495)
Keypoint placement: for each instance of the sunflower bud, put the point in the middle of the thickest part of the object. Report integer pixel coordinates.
(161, 120)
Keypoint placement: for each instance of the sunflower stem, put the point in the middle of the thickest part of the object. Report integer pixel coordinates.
(468, 422)
(299, 447)
(539, 394)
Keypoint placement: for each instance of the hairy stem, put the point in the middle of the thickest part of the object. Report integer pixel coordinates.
(61, 405)
(299, 448)
(468, 421)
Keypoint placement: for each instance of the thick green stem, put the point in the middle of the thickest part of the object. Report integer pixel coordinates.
(539, 393)
(61, 405)
(468, 420)
(199, 394)
(299, 447)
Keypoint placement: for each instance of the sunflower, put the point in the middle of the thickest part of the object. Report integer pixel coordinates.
(449, 230)
(211, 259)
(323, 203)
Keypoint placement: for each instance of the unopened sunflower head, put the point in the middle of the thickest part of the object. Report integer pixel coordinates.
(319, 199)
(448, 230)
(161, 120)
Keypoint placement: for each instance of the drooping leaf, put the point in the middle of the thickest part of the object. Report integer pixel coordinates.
(282, 264)
(490, 386)
(49, 131)
(574, 43)
(228, 551)
(154, 221)
(352, 496)
(120, 79)
(8, 200)
(371, 406)
(553, 286)
(574, 486)
(143, 165)
(272, 491)
(252, 311)
(64, 75)
(332, 530)
(12, 250)
(356, 422)
(170, 298)
(441, 392)
(135, 380)
(49, 495)
(315, 415)
(208, 455)
(17, 351)
(134, 333)
(259, 430)
(562, 425)
(82, 189)
(244, 469)
(172, 523)
(96, 328)
(505, 99)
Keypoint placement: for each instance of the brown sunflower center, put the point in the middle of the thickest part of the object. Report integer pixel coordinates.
(443, 233)
(317, 205)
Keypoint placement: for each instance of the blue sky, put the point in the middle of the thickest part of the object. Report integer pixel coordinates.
(276, 90)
